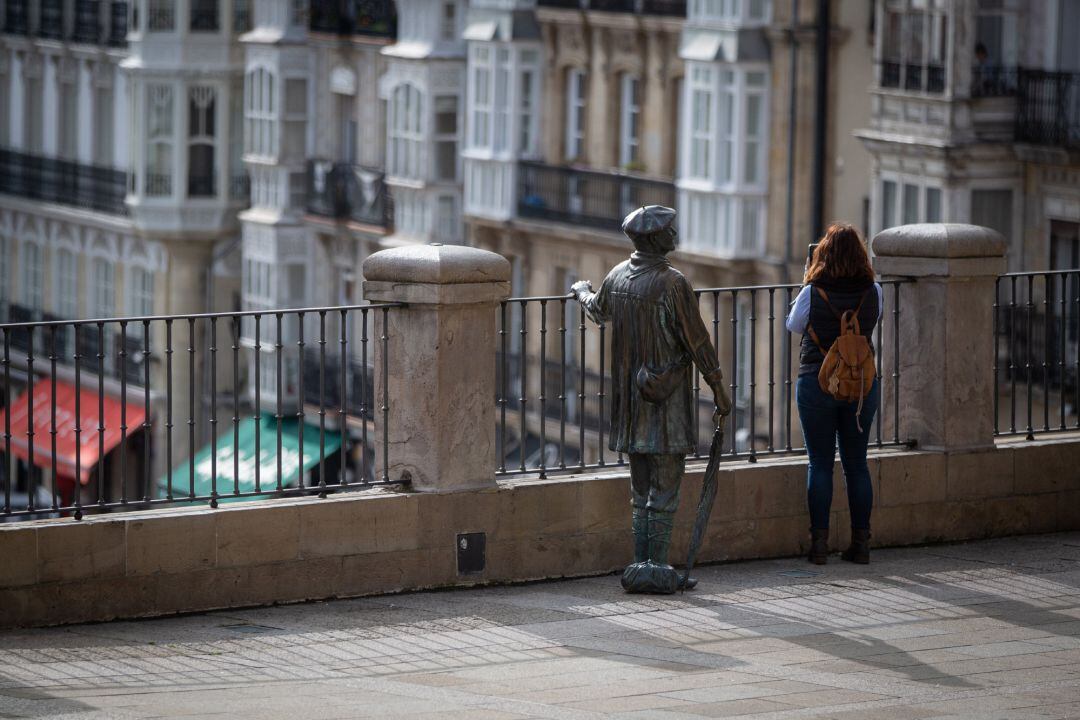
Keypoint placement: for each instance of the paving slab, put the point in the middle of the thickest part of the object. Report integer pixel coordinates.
(976, 630)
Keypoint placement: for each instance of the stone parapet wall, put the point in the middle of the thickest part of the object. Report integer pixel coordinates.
(259, 553)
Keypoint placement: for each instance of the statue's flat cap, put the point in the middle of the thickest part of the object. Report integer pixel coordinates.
(648, 220)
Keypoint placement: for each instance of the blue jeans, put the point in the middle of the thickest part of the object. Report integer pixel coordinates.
(827, 422)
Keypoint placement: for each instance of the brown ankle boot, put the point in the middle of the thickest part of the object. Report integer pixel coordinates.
(859, 550)
(819, 546)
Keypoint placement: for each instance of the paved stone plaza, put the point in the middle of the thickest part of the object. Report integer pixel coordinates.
(986, 630)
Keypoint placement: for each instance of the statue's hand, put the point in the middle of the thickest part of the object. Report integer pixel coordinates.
(581, 287)
(723, 402)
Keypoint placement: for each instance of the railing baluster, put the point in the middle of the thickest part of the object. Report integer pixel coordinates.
(1046, 352)
(997, 386)
(503, 385)
(7, 422)
(213, 413)
(77, 357)
(772, 366)
(523, 395)
(1077, 365)
(753, 375)
(1028, 354)
(878, 417)
(562, 383)
(343, 411)
(191, 408)
(365, 458)
(301, 398)
(734, 430)
(168, 409)
(600, 400)
(1064, 278)
(101, 415)
(279, 416)
(123, 413)
(787, 376)
(581, 390)
(322, 404)
(52, 411)
(1012, 355)
(235, 328)
(543, 388)
(146, 426)
(257, 415)
(30, 489)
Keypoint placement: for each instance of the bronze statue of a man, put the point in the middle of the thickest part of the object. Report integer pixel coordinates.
(657, 334)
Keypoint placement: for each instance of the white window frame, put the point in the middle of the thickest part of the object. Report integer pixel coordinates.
(405, 132)
(32, 276)
(102, 295)
(139, 291)
(922, 186)
(65, 283)
(480, 96)
(160, 125)
(576, 91)
(528, 102)
(701, 121)
(203, 100)
(261, 113)
(445, 138)
(629, 120)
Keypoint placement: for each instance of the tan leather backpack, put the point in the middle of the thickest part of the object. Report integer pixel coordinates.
(848, 371)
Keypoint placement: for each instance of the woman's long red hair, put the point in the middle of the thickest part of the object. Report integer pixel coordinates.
(841, 254)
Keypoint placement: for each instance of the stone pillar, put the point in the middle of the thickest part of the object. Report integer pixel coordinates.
(441, 351)
(945, 331)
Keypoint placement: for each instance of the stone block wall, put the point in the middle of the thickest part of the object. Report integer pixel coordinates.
(277, 551)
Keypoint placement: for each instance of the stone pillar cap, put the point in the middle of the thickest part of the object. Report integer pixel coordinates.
(940, 240)
(436, 264)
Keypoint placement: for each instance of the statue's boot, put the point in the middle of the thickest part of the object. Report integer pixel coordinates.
(660, 526)
(640, 525)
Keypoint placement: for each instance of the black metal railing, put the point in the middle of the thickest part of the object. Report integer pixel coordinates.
(16, 17)
(51, 19)
(241, 16)
(585, 197)
(62, 181)
(161, 16)
(59, 396)
(376, 18)
(553, 379)
(205, 16)
(87, 21)
(1037, 352)
(118, 24)
(347, 191)
(993, 81)
(1048, 108)
(202, 185)
(649, 7)
(911, 76)
(240, 188)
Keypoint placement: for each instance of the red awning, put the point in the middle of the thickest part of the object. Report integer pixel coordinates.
(91, 449)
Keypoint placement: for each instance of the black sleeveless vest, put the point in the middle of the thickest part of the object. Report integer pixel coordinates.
(843, 295)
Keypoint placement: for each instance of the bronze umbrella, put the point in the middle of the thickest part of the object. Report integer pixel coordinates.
(708, 498)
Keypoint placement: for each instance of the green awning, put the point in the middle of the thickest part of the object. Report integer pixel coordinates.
(245, 450)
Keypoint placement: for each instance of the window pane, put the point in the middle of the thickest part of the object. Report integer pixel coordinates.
(910, 204)
(446, 115)
(933, 205)
(993, 209)
(888, 204)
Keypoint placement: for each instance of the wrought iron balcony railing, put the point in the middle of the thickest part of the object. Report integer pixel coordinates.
(118, 24)
(344, 190)
(993, 81)
(650, 7)
(87, 21)
(585, 197)
(241, 16)
(202, 185)
(204, 16)
(1048, 108)
(51, 19)
(375, 18)
(61, 181)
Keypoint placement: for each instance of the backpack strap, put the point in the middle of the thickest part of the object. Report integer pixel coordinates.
(813, 336)
(825, 296)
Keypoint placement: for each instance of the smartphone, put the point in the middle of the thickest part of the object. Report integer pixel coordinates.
(810, 253)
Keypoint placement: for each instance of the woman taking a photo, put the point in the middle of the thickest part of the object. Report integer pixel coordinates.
(836, 312)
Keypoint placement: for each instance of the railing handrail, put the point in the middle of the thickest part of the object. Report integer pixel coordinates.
(199, 316)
